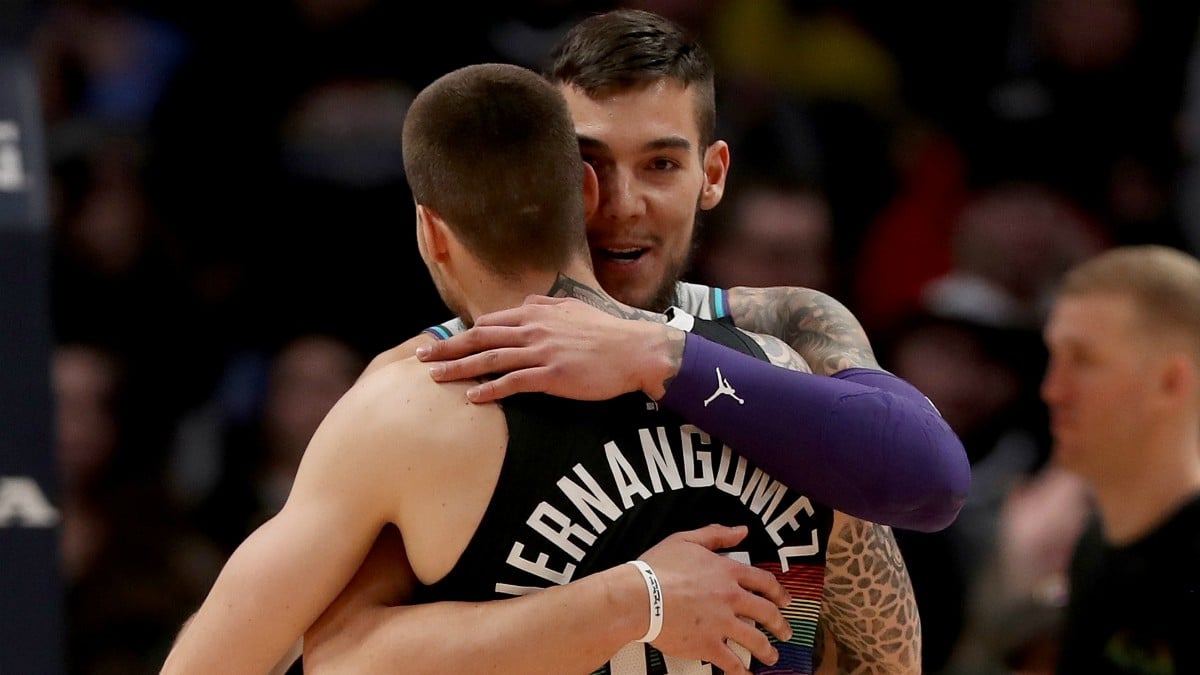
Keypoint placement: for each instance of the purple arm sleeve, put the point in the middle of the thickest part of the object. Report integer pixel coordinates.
(864, 442)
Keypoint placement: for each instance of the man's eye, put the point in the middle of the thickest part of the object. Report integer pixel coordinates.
(663, 164)
(597, 163)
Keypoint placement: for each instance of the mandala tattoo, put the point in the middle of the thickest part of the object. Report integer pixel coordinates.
(868, 600)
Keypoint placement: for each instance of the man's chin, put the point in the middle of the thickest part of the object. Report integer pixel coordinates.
(638, 290)
(1065, 455)
(654, 300)
(624, 288)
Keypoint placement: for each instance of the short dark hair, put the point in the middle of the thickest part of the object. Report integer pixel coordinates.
(491, 149)
(628, 48)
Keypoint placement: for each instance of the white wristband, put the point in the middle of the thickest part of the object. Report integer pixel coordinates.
(656, 600)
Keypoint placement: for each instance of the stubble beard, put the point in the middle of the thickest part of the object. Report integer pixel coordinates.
(664, 296)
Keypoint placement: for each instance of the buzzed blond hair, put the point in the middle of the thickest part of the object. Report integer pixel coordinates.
(1163, 282)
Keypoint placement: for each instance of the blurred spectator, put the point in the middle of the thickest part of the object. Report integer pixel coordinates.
(828, 87)
(523, 32)
(288, 199)
(982, 379)
(102, 62)
(815, 48)
(132, 568)
(249, 446)
(1084, 99)
(769, 232)
(87, 382)
(1187, 190)
(1010, 246)
(971, 343)
(1018, 596)
(907, 243)
(1123, 390)
(116, 279)
(990, 253)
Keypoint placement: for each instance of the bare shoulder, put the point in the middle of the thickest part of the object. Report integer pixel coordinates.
(388, 410)
(819, 327)
(425, 436)
(435, 420)
(400, 396)
(402, 351)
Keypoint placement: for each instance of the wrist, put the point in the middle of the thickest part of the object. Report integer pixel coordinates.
(654, 598)
(629, 619)
(662, 347)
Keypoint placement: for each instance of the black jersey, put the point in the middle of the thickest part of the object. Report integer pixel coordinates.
(1135, 609)
(586, 486)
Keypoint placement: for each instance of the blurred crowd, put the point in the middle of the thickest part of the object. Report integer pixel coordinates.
(232, 240)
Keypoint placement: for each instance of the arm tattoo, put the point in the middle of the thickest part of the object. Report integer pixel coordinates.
(869, 606)
(816, 325)
(778, 352)
(676, 340)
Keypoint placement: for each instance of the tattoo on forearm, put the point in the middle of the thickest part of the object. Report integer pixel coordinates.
(869, 605)
(675, 343)
(817, 326)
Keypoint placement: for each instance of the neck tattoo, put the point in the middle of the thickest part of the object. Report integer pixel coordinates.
(566, 287)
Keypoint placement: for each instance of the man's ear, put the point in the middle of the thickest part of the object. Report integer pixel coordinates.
(716, 170)
(432, 234)
(1177, 378)
(591, 191)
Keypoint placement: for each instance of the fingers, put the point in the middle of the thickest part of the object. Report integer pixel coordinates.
(488, 362)
(546, 300)
(714, 537)
(530, 309)
(730, 663)
(764, 612)
(739, 597)
(765, 584)
(530, 379)
(750, 639)
(475, 340)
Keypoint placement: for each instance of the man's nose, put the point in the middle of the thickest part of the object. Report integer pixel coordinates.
(623, 198)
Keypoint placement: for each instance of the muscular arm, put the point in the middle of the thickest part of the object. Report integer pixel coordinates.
(369, 629)
(868, 604)
(862, 441)
(821, 329)
(285, 573)
(572, 628)
(869, 611)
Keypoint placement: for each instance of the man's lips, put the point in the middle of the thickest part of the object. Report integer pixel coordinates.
(622, 254)
(1059, 423)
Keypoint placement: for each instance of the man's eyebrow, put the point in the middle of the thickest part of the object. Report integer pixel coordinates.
(669, 143)
(589, 143)
(663, 143)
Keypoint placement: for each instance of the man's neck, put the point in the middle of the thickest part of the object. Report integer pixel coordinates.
(1147, 494)
(568, 287)
(485, 292)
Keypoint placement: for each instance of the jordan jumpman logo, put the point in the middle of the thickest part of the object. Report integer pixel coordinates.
(723, 387)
